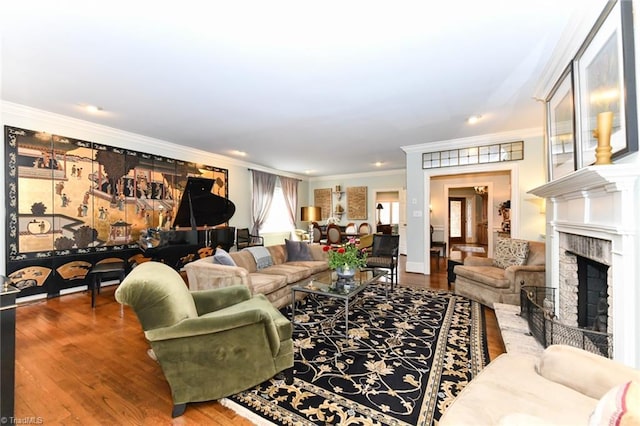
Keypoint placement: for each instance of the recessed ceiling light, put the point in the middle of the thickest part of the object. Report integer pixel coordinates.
(379, 164)
(239, 153)
(474, 119)
(93, 109)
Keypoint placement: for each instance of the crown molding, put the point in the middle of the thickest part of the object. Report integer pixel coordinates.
(510, 136)
(359, 175)
(24, 116)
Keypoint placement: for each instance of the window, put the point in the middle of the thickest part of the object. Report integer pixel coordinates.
(390, 213)
(278, 217)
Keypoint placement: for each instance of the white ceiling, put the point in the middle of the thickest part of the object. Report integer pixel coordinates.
(330, 87)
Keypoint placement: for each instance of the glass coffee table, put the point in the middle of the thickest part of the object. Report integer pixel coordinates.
(325, 284)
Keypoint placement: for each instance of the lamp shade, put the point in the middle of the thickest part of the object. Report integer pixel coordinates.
(309, 214)
(379, 206)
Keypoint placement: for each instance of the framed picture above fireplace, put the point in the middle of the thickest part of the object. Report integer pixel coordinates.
(604, 79)
(561, 127)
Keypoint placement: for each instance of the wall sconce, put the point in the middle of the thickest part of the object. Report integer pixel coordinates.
(379, 207)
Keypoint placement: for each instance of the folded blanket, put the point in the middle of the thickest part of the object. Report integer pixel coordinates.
(261, 255)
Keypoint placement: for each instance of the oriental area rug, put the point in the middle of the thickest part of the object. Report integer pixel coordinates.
(404, 361)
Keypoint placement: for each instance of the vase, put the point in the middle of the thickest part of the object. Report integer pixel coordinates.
(345, 273)
(603, 150)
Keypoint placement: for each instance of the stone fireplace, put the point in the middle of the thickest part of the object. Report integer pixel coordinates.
(593, 252)
(584, 266)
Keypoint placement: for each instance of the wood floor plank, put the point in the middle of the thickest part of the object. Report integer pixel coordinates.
(77, 365)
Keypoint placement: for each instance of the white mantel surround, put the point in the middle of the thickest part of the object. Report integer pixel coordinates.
(602, 202)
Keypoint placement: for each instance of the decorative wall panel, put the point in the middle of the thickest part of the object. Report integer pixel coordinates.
(322, 199)
(357, 202)
(72, 203)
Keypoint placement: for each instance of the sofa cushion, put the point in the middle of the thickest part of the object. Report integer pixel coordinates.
(510, 252)
(619, 406)
(511, 384)
(297, 250)
(223, 258)
(314, 265)
(266, 283)
(292, 273)
(488, 275)
(245, 260)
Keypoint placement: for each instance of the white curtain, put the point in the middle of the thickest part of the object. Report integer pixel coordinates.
(290, 193)
(263, 186)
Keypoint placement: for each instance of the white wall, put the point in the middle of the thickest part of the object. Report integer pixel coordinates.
(390, 180)
(526, 174)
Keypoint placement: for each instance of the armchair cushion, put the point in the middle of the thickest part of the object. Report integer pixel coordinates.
(151, 290)
(510, 252)
(222, 257)
(297, 250)
(211, 300)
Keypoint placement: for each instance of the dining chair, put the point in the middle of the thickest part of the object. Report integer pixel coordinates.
(350, 228)
(364, 229)
(317, 232)
(334, 234)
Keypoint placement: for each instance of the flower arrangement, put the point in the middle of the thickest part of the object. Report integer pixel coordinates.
(347, 254)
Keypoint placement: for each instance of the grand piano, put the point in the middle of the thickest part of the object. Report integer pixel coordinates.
(195, 226)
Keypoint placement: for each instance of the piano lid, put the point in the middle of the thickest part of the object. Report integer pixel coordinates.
(200, 207)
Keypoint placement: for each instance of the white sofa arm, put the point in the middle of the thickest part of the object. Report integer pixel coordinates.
(590, 374)
(203, 274)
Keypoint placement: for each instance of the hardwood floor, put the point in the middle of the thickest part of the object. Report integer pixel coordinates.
(75, 365)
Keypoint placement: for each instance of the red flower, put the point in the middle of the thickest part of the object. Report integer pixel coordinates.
(326, 248)
(341, 250)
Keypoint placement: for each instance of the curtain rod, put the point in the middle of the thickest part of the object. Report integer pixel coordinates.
(256, 170)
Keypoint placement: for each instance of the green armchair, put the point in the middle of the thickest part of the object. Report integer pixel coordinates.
(211, 343)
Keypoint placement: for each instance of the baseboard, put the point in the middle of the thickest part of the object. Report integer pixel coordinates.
(416, 267)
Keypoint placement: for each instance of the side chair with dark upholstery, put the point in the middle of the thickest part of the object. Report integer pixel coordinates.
(209, 343)
(244, 239)
(384, 254)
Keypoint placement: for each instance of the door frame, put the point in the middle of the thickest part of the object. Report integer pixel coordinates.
(510, 166)
(489, 185)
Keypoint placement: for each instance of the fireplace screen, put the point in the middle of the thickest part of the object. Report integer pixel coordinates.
(537, 306)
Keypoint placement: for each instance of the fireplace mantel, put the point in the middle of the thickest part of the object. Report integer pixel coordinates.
(601, 202)
(609, 178)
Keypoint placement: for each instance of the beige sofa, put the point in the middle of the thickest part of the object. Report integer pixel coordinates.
(480, 279)
(274, 281)
(561, 387)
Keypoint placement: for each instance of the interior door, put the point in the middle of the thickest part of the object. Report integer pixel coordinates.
(457, 220)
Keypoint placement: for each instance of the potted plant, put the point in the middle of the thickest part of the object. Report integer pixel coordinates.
(346, 259)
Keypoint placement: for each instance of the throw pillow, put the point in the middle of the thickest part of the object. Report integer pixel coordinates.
(510, 252)
(297, 250)
(619, 406)
(223, 258)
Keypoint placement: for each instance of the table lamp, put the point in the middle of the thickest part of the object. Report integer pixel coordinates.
(310, 214)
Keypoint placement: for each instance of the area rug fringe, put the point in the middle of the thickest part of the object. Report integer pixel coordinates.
(247, 414)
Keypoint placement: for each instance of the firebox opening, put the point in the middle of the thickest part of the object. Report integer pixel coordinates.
(592, 294)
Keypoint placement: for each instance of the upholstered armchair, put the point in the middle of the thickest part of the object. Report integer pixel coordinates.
(516, 263)
(211, 343)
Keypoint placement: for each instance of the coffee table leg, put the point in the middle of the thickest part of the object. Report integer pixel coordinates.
(346, 317)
